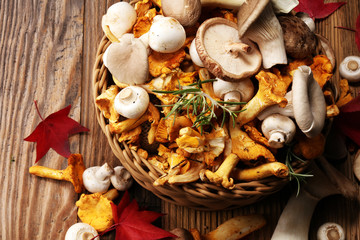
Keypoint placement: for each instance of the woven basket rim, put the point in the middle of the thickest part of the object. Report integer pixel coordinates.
(197, 195)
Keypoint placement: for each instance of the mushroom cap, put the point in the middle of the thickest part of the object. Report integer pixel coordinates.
(300, 41)
(166, 35)
(278, 129)
(329, 231)
(223, 53)
(187, 12)
(194, 54)
(81, 231)
(350, 68)
(121, 179)
(307, 20)
(127, 60)
(132, 102)
(120, 18)
(308, 102)
(97, 179)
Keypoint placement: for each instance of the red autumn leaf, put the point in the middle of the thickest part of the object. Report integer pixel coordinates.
(131, 223)
(53, 132)
(348, 120)
(357, 33)
(317, 8)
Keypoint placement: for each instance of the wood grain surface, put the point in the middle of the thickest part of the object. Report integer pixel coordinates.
(47, 52)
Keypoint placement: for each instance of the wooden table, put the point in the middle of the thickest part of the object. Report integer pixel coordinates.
(47, 54)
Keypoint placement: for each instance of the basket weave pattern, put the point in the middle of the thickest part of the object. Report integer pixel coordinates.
(197, 195)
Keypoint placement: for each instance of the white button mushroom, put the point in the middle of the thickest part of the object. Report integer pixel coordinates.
(187, 12)
(166, 35)
(350, 68)
(97, 179)
(330, 231)
(308, 102)
(132, 102)
(278, 129)
(127, 60)
(241, 91)
(194, 54)
(81, 231)
(121, 179)
(120, 18)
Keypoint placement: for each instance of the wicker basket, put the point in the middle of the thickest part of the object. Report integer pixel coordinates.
(197, 195)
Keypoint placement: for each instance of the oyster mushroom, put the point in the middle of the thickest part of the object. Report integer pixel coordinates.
(350, 68)
(132, 102)
(118, 20)
(81, 231)
(300, 41)
(308, 102)
(257, 21)
(97, 179)
(278, 129)
(223, 53)
(241, 91)
(166, 35)
(187, 12)
(127, 60)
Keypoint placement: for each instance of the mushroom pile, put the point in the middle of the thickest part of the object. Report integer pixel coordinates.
(215, 91)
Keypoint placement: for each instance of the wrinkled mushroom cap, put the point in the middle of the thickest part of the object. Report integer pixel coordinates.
(127, 60)
(223, 53)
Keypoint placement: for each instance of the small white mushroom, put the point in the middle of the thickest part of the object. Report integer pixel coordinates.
(307, 20)
(330, 231)
(286, 111)
(194, 54)
(132, 102)
(356, 166)
(187, 12)
(308, 102)
(166, 34)
(121, 179)
(266, 31)
(241, 91)
(278, 129)
(350, 68)
(127, 60)
(81, 231)
(145, 40)
(284, 6)
(97, 179)
(120, 18)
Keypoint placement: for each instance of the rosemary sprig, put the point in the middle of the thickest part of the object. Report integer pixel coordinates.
(299, 177)
(191, 97)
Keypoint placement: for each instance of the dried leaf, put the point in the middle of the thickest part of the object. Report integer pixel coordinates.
(53, 132)
(317, 9)
(357, 33)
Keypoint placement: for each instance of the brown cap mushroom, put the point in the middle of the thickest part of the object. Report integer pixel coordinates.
(127, 60)
(187, 12)
(300, 41)
(223, 53)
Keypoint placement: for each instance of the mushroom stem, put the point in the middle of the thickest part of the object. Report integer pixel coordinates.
(330, 231)
(295, 219)
(104, 172)
(235, 48)
(231, 4)
(73, 173)
(352, 65)
(221, 176)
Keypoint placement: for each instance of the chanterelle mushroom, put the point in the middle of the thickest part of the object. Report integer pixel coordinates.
(241, 91)
(132, 102)
(308, 102)
(119, 19)
(278, 129)
(223, 53)
(187, 12)
(262, 27)
(127, 60)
